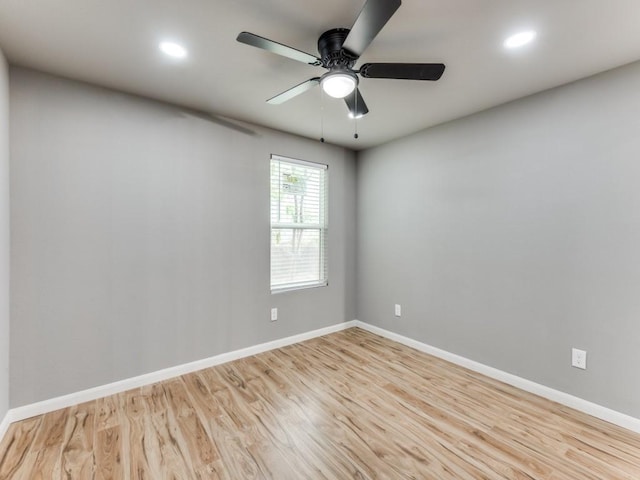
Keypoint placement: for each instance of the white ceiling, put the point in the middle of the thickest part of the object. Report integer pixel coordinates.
(113, 43)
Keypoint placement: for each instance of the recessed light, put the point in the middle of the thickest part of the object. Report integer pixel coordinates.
(173, 49)
(520, 39)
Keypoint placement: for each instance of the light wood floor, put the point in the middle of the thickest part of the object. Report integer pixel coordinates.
(348, 405)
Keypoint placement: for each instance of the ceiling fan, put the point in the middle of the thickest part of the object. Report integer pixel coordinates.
(339, 50)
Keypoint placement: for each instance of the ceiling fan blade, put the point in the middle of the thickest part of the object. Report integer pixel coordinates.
(294, 91)
(373, 16)
(277, 48)
(356, 105)
(403, 71)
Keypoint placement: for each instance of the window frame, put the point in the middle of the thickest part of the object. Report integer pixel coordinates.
(322, 227)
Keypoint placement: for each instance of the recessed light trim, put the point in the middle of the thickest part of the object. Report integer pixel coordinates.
(173, 49)
(520, 39)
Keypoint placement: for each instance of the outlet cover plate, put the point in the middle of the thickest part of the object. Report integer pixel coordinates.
(578, 358)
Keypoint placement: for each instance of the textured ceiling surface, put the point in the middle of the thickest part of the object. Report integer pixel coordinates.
(114, 44)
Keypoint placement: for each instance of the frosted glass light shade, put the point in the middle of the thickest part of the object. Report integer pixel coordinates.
(338, 85)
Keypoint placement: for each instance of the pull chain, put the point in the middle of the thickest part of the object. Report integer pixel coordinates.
(355, 116)
(321, 115)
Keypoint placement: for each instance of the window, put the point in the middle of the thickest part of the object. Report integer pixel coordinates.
(298, 224)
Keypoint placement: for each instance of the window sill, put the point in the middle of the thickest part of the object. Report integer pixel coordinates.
(275, 291)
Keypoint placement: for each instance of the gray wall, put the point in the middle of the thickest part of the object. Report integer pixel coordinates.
(4, 237)
(140, 237)
(511, 236)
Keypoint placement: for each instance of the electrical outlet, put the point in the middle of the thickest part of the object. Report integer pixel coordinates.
(274, 314)
(398, 310)
(578, 358)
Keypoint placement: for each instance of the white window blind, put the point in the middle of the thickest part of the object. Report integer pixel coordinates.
(298, 224)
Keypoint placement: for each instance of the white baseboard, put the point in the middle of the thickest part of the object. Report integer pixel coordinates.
(39, 408)
(45, 406)
(4, 425)
(590, 408)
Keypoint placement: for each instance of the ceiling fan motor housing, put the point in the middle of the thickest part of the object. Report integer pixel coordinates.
(331, 52)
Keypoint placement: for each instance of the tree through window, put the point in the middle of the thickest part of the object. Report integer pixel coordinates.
(298, 224)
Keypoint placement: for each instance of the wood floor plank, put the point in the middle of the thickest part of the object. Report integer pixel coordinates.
(164, 445)
(77, 446)
(142, 443)
(45, 464)
(51, 430)
(412, 451)
(16, 446)
(196, 441)
(452, 426)
(237, 460)
(299, 421)
(108, 454)
(350, 405)
(106, 412)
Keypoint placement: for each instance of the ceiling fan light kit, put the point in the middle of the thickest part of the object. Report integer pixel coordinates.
(339, 83)
(340, 49)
